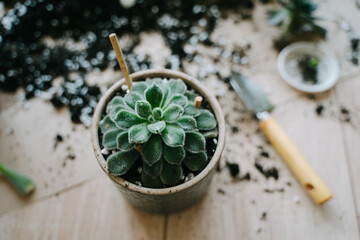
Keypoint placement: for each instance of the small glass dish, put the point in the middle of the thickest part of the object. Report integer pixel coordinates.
(327, 70)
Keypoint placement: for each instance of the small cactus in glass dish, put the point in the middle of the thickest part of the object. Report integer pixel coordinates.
(158, 122)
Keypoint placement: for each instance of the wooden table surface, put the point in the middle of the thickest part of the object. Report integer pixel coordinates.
(75, 200)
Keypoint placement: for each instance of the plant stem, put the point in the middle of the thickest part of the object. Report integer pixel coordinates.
(22, 183)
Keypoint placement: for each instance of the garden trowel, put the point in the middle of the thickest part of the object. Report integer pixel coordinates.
(256, 101)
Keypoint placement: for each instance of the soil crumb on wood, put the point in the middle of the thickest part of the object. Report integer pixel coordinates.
(319, 109)
(221, 191)
(58, 139)
(271, 172)
(263, 216)
(233, 168)
(345, 114)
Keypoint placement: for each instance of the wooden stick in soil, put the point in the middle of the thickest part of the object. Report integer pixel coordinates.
(198, 101)
(120, 58)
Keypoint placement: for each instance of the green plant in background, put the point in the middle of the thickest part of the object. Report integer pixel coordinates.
(22, 183)
(158, 122)
(295, 19)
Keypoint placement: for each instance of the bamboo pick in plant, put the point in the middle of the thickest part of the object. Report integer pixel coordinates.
(22, 183)
(120, 59)
(198, 101)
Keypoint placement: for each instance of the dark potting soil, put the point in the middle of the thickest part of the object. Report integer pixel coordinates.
(233, 168)
(58, 139)
(355, 49)
(221, 191)
(134, 173)
(345, 114)
(235, 129)
(28, 62)
(308, 66)
(319, 109)
(271, 172)
(264, 154)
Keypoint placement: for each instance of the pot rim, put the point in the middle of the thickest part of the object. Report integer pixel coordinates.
(194, 83)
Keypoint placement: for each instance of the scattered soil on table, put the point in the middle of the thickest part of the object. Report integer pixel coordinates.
(233, 168)
(281, 190)
(270, 172)
(319, 109)
(58, 139)
(345, 114)
(221, 191)
(263, 216)
(34, 39)
(235, 129)
(265, 154)
(355, 49)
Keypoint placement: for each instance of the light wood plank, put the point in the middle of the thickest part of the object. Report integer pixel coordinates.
(95, 210)
(30, 149)
(348, 97)
(235, 215)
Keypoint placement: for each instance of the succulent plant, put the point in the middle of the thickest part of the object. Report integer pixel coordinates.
(158, 122)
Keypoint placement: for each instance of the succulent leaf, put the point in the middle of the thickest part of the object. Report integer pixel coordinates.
(195, 161)
(139, 87)
(126, 119)
(151, 119)
(191, 110)
(139, 133)
(180, 100)
(116, 101)
(194, 142)
(190, 95)
(173, 136)
(132, 98)
(109, 138)
(173, 112)
(157, 127)
(157, 113)
(153, 170)
(210, 134)
(206, 120)
(173, 155)
(123, 142)
(170, 173)
(107, 124)
(151, 182)
(177, 86)
(120, 162)
(115, 111)
(154, 95)
(143, 109)
(187, 123)
(152, 150)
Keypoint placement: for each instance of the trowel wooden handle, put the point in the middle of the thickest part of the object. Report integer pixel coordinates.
(300, 167)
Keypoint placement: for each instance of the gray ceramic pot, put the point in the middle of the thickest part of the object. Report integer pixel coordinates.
(163, 200)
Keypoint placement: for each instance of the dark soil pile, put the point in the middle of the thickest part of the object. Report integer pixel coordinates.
(27, 62)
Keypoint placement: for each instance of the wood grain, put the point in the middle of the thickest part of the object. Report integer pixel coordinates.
(348, 97)
(95, 210)
(31, 150)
